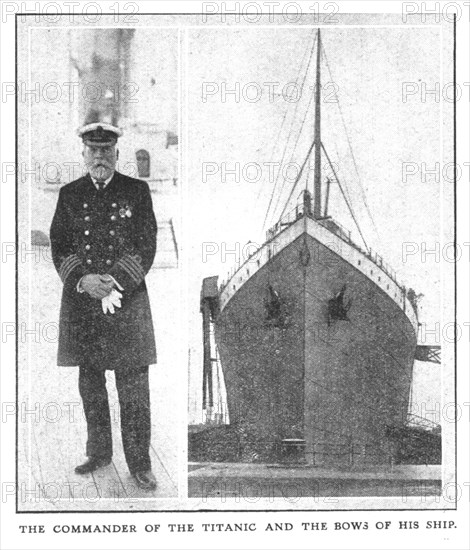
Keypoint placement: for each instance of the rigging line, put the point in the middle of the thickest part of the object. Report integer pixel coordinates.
(282, 124)
(364, 197)
(297, 179)
(290, 130)
(292, 157)
(274, 148)
(286, 203)
(291, 125)
(344, 196)
(346, 189)
(307, 180)
(294, 148)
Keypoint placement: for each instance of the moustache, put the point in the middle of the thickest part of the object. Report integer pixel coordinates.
(100, 170)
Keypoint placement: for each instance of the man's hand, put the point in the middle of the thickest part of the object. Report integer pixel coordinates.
(97, 286)
(108, 303)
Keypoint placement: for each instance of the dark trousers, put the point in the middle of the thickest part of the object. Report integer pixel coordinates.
(134, 403)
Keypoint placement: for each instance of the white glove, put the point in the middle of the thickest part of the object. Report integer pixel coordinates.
(113, 299)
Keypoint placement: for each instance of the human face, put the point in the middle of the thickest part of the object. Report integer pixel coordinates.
(100, 160)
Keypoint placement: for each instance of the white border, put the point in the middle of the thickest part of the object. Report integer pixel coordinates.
(420, 538)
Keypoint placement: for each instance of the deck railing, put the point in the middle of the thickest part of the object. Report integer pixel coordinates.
(334, 227)
(337, 229)
(286, 220)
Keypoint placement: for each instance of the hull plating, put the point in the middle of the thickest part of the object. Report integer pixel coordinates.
(292, 372)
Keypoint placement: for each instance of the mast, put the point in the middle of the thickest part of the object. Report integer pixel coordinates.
(317, 141)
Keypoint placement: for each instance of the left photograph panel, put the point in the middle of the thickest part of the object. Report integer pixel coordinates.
(98, 278)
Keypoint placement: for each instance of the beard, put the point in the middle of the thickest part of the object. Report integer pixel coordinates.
(101, 171)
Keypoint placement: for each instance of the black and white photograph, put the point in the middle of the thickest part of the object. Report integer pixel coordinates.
(102, 285)
(234, 275)
(319, 291)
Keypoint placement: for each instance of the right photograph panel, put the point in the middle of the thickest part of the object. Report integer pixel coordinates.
(318, 364)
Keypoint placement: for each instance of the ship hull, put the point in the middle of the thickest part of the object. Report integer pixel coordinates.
(296, 375)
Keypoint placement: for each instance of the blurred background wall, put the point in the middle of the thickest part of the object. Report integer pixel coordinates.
(127, 77)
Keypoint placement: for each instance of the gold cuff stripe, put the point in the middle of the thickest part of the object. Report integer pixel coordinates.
(137, 265)
(68, 265)
(129, 269)
(133, 266)
(68, 271)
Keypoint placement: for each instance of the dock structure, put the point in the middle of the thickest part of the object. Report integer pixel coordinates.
(214, 483)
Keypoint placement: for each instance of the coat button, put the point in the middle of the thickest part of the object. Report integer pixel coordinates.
(108, 262)
(113, 218)
(112, 232)
(114, 205)
(85, 205)
(88, 261)
(87, 232)
(87, 247)
(87, 218)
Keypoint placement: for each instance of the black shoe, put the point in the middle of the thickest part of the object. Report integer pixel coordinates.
(145, 480)
(92, 464)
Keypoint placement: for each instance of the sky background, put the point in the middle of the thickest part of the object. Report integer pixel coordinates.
(369, 67)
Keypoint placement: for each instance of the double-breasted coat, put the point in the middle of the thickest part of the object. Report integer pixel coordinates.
(108, 231)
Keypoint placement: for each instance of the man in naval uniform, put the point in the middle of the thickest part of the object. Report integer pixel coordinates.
(103, 241)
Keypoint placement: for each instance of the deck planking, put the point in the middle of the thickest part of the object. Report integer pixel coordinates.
(50, 448)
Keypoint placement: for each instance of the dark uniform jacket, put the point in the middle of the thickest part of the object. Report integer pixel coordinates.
(109, 231)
